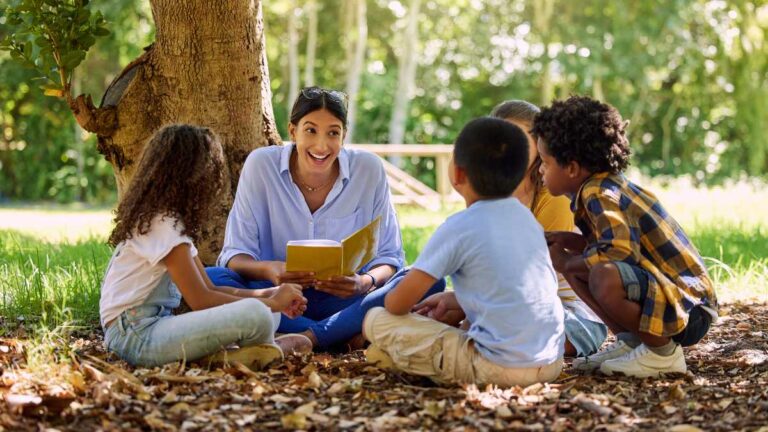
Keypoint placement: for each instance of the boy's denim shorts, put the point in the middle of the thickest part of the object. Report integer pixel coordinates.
(585, 335)
(635, 281)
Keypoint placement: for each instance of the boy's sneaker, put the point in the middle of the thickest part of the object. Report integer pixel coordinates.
(642, 363)
(255, 357)
(592, 362)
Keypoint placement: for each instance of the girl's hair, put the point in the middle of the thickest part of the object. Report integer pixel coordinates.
(315, 98)
(523, 112)
(180, 174)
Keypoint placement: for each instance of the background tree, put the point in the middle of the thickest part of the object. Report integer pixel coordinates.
(355, 60)
(207, 66)
(689, 74)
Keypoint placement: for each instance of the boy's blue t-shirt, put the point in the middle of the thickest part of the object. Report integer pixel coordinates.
(497, 256)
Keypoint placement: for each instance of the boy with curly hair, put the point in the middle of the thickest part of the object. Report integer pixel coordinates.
(632, 264)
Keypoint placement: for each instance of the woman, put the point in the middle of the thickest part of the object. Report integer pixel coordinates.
(584, 330)
(313, 188)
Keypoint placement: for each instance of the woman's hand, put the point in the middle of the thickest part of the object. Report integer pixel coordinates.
(344, 286)
(288, 299)
(441, 307)
(276, 273)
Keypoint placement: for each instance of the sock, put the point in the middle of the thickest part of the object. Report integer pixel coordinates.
(664, 350)
(628, 338)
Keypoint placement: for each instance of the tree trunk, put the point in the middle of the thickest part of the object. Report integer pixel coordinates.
(406, 75)
(207, 67)
(309, 70)
(542, 17)
(356, 64)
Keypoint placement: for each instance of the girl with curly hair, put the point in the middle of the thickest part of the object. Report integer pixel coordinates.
(155, 264)
(584, 330)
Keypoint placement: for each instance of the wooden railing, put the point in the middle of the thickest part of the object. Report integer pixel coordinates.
(405, 188)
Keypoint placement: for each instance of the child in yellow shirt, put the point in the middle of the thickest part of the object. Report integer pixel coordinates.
(584, 330)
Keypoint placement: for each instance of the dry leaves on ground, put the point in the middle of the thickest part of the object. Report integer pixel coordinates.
(725, 389)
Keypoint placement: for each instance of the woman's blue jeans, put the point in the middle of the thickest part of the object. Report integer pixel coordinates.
(332, 319)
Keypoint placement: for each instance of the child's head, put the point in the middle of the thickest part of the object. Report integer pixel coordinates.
(493, 155)
(180, 174)
(577, 137)
(521, 113)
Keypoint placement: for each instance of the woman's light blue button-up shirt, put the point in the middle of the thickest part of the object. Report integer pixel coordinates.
(269, 209)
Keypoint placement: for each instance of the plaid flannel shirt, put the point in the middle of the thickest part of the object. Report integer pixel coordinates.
(623, 222)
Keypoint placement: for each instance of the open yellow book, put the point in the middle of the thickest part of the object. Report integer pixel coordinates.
(328, 258)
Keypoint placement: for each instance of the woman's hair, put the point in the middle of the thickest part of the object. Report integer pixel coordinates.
(586, 131)
(523, 112)
(180, 174)
(315, 98)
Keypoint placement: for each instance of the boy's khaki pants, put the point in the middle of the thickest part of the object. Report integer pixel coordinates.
(445, 354)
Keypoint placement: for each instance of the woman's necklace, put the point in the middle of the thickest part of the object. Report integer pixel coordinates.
(316, 188)
(304, 184)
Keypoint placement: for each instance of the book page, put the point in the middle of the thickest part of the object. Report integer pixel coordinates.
(360, 247)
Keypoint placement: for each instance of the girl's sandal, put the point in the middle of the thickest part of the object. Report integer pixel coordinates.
(294, 343)
(255, 357)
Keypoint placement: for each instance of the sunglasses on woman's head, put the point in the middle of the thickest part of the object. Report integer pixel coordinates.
(316, 92)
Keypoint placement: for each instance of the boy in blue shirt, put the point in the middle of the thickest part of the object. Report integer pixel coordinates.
(505, 288)
(633, 265)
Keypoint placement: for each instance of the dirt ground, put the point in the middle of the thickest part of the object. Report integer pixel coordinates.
(726, 389)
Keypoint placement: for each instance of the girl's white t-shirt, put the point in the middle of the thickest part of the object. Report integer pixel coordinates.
(136, 266)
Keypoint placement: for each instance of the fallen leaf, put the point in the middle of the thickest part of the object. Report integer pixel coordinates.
(314, 380)
(294, 420)
(332, 411)
(503, 411)
(676, 392)
(684, 428)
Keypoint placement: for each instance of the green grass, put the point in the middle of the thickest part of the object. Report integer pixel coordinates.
(50, 282)
(52, 261)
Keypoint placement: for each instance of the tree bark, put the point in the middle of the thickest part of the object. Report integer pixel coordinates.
(356, 64)
(406, 75)
(207, 67)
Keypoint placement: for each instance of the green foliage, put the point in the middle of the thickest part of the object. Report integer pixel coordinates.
(52, 37)
(44, 155)
(690, 75)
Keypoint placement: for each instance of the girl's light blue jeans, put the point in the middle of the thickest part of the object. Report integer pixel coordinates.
(333, 320)
(148, 335)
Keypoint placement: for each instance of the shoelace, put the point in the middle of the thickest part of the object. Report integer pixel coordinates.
(641, 350)
(612, 347)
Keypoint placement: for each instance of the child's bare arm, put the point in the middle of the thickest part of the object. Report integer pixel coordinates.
(569, 240)
(408, 292)
(250, 293)
(187, 273)
(273, 271)
(442, 307)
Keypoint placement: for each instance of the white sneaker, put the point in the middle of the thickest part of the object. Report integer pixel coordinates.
(592, 362)
(642, 362)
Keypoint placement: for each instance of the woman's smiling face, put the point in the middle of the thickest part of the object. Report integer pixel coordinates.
(319, 136)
